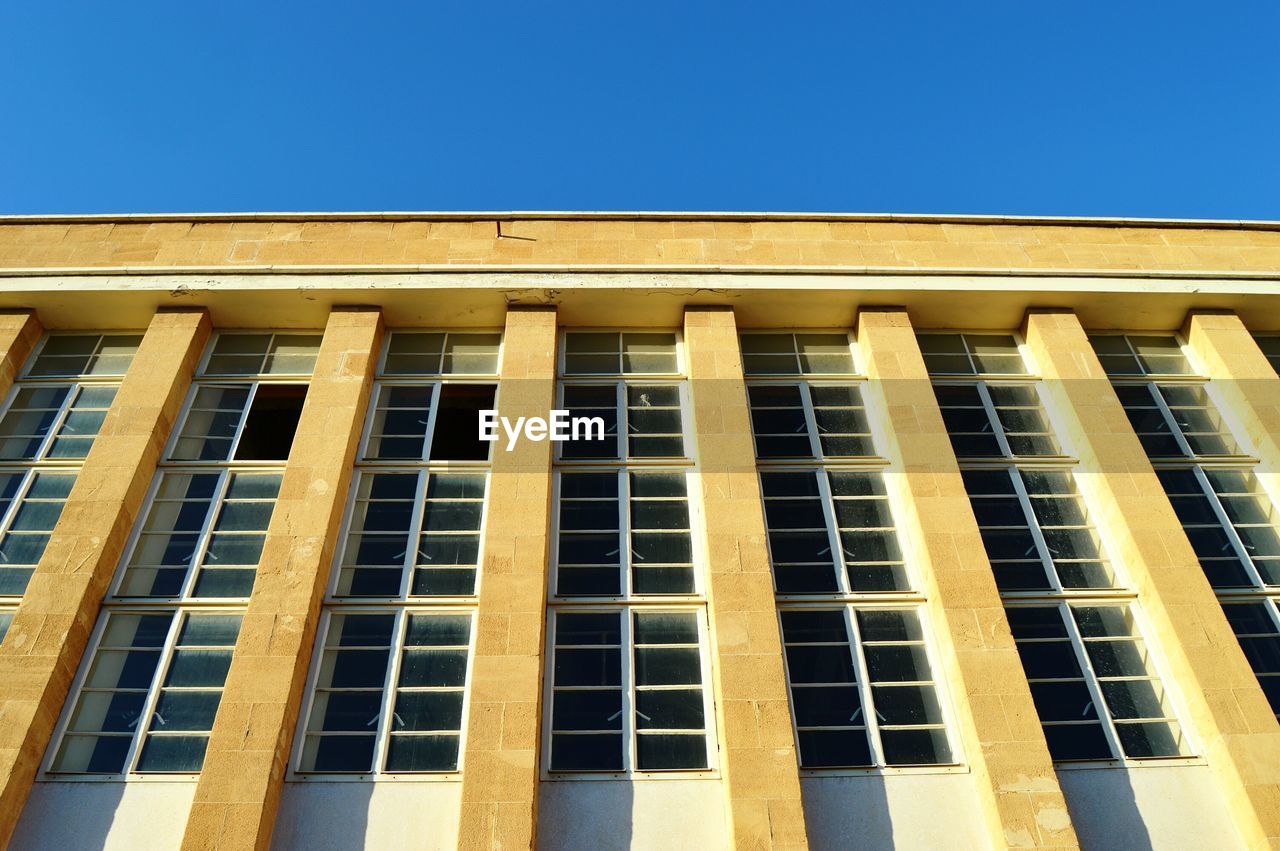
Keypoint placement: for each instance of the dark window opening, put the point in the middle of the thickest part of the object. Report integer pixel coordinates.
(272, 422)
(457, 431)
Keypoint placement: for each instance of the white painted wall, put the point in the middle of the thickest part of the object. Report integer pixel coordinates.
(901, 811)
(126, 816)
(610, 815)
(389, 815)
(1149, 808)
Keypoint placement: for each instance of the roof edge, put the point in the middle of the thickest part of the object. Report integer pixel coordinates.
(511, 215)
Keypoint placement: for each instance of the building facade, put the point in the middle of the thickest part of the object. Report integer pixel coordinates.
(897, 532)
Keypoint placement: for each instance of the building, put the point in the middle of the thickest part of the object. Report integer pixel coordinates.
(905, 531)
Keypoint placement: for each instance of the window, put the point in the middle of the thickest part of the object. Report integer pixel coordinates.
(452, 353)
(620, 353)
(1255, 626)
(809, 420)
(1230, 522)
(627, 691)
(53, 421)
(831, 533)
(30, 504)
(148, 691)
(1093, 683)
(202, 535)
(147, 699)
(1229, 518)
(796, 354)
(48, 424)
(995, 420)
(387, 690)
(623, 534)
(1271, 348)
(83, 355)
(1140, 354)
(971, 354)
(388, 693)
(1036, 529)
(1072, 616)
(240, 422)
(861, 684)
(862, 689)
(413, 534)
(262, 354)
(6, 618)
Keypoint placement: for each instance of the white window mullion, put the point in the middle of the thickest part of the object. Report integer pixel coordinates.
(415, 533)
(1037, 534)
(387, 706)
(1091, 678)
(177, 619)
(864, 686)
(1170, 420)
(627, 650)
(833, 532)
(244, 417)
(437, 390)
(206, 533)
(626, 556)
(1224, 521)
(993, 416)
(810, 420)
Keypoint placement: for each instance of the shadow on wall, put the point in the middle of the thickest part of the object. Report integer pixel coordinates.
(328, 816)
(595, 814)
(848, 812)
(1104, 809)
(134, 816)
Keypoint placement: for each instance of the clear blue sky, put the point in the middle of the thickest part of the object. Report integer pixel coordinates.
(1124, 107)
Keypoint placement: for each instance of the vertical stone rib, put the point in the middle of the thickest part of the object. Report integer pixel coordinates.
(761, 772)
(1226, 705)
(240, 784)
(1023, 805)
(500, 766)
(40, 654)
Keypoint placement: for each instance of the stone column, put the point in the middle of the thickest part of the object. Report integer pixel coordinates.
(500, 766)
(19, 332)
(1227, 708)
(239, 789)
(1243, 378)
(1023, 805)
(759, 764)
(51, 628)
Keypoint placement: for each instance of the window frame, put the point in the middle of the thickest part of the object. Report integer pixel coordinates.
(627, 612)
(424, 473)
(400, 618)
(800, 375)
(202, 374)
(681, 372)
(1156, 665)
(693, 498)
(385, 349)
(75, 388)
(1030, 372)
(29, 473)
(624, 457)
(25, 374)
(817, 456)
(176, 433)
(196, 566)
(982, 387)
(437, 384)
(849, 606)
(178, 614)
(840, 564)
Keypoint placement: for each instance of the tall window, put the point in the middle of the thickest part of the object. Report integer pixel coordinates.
(50, 419)
(863, 692)
(1270, 346)
(388, 685)
(627, 689)
(1075, 622)
(150, 685)
(1230, 519)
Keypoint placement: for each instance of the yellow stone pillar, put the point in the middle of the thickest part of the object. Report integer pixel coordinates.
(1227, 708)
(1244, 379)
(759, 764)
(19, 332)
(500, 766)
(239, 789)
(52, 625)
(1023, 805)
